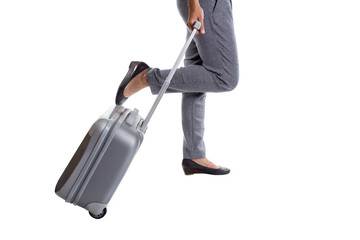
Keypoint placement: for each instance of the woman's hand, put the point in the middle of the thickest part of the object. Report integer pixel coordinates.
(196, 13)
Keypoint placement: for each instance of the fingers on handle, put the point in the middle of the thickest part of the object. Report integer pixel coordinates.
(194, 24)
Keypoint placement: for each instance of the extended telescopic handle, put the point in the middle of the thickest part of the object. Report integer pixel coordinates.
(166, 84)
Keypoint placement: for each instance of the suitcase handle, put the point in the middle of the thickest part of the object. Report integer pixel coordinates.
(166, 84)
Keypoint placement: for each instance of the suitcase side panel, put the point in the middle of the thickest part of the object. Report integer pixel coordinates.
(80, 159)
(74, 162)
(113, 166)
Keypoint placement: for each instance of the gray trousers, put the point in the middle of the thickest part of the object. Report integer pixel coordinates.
(211, 65)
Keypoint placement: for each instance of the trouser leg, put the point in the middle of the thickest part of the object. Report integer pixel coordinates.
(193, 114)
(217, 48)
(211, 65)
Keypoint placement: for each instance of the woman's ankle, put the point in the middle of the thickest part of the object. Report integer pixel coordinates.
(136, 84)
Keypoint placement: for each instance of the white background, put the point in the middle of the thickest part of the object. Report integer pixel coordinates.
(289, 132)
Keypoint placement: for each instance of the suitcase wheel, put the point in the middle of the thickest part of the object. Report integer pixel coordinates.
(99, 215)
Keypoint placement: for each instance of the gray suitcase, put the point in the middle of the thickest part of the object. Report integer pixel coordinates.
(103, 157)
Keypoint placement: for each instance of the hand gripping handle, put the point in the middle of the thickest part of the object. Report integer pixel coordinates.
(166, 84)
(197, 25)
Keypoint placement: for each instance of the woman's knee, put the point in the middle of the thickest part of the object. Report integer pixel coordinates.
(230, 80)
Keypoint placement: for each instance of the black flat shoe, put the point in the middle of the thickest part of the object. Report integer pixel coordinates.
(190, 167)
(134, 69)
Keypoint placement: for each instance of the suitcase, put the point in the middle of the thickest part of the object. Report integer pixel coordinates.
(103, 157)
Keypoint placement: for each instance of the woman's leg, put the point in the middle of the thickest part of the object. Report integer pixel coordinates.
(193, 106)
(211, 65)
(193, 112)
(218, 71)
(217, 49)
